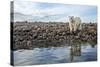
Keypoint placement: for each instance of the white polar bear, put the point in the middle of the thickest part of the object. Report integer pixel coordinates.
(74, 23)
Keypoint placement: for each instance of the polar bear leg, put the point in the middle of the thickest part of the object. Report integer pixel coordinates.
(75, 27)
(80, 27)
(70, 26)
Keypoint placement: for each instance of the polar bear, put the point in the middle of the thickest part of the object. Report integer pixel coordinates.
(74, 23)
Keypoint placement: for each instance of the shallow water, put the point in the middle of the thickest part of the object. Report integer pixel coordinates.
(73, 53)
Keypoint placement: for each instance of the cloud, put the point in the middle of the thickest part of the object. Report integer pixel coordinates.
(53, 11)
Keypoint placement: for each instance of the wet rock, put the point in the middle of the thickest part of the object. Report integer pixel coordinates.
(27, 35)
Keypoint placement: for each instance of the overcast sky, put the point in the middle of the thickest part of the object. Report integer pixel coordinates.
(54, 11)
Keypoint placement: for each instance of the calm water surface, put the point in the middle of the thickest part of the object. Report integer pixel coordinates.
(73, 53)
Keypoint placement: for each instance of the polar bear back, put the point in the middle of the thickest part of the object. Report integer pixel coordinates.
(77, 20)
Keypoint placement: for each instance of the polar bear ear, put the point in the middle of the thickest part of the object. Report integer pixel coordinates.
(69, 16)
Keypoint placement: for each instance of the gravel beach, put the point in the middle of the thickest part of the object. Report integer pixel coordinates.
(28, 35)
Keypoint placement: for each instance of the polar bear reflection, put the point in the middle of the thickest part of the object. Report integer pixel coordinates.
(75, 50)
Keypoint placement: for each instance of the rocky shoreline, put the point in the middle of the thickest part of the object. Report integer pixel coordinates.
(27, 35)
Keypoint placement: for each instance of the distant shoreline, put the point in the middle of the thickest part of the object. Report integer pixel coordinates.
(46, 22)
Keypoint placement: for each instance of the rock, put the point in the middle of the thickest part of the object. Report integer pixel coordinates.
(76, 37)
(35, 35)
(63, 33)
(26, 35)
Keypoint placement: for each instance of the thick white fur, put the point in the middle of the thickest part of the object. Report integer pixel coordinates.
(74, 23)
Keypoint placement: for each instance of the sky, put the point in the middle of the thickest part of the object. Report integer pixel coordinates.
(37, 11)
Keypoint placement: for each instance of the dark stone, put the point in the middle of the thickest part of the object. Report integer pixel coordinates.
(30, 35)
